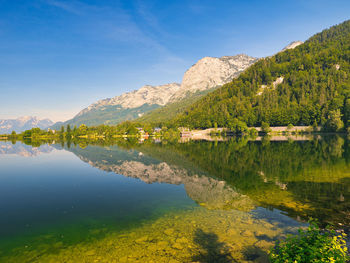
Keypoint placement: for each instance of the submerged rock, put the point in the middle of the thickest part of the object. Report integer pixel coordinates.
(90, 252)
(169, 231)
(141, 240)
(177, 246)
(182, 240)
(247, 233)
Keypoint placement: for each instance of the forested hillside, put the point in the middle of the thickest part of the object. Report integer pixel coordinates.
(308, 85)
(170, 110)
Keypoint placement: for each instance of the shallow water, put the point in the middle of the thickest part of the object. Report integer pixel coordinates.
(166, 202)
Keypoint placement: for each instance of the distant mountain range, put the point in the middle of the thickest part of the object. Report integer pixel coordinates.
(23, 123)
(207, 74)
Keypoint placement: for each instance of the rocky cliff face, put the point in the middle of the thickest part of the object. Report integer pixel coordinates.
(293, 45)
(159, 95)
(207, 73)
(210, 72)
(23, 123)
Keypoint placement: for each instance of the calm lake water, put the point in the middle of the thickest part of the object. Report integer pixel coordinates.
(167, 202)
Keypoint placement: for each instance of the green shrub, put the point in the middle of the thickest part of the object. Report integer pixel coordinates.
(253, 132)
(290, 126)
(238, 127)
(311, 245)
(265, 127)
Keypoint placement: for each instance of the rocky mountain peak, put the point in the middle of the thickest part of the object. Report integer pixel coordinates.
(211, 72)
(293, 45)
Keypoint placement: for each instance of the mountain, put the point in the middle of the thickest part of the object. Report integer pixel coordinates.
(210, 72)
(206, 75)
(305, 85)
(23, 123)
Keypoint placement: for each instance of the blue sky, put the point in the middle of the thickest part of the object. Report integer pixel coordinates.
(59, 56)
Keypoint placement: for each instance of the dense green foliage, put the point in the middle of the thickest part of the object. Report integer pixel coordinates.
(315, 89)
(311, 245)
(35, 133)
(125, 128)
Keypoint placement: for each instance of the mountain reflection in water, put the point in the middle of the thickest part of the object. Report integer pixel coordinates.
(302, 178)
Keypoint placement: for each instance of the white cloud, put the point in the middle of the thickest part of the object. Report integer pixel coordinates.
(66, 6)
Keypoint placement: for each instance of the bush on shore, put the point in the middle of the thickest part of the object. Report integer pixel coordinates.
(311, 245)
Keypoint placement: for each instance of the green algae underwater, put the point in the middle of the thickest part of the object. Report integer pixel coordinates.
(167, 202)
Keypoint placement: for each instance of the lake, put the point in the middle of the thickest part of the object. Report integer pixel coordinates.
(154, 201)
